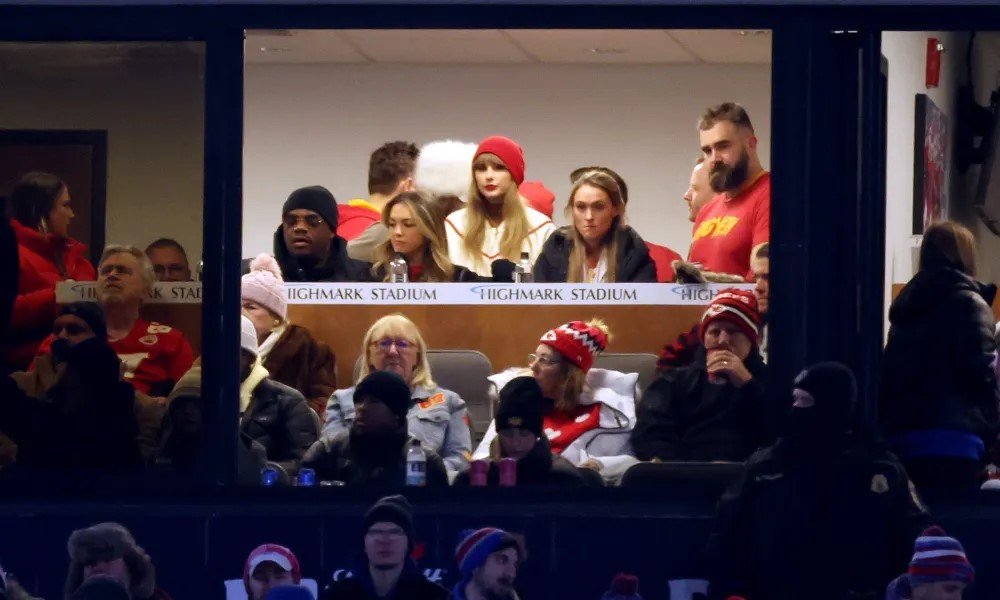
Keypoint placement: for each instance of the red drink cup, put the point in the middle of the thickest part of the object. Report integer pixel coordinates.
(508, 472)
(477, 473)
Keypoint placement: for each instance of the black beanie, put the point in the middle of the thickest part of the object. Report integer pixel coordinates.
(388, 388)
(833, 387)
(521, 406)
(392, 509)
(90, 313)
(315, 198)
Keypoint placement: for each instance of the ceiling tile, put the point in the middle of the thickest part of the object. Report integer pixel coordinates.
(730, 46)
(601, 46)
(456, 46)
(300, 46)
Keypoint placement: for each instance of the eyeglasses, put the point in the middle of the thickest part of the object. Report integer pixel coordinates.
(311, 220)
(385, 343)
(545, 360)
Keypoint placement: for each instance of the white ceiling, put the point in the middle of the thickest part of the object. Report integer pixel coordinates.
(514, 46)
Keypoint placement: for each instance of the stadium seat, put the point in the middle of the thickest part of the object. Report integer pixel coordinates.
(643, 364)
(659, 474)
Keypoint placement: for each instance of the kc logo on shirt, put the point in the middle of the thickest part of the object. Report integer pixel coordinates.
(716, 227)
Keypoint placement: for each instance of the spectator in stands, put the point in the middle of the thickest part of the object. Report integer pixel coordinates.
(939, 570)
(436, 416)
(306, 243)
(272, 413)
(101, 587)
(591, 412)
(827, 490)
(182, 433)
(8, 278)
(938, 397)
(10, 587)
(416, 233)
(623, 587)
(520, 436)
(289, 352)
(109, 550)
(598, 247)
(699, 191)
(155, 355)
(41, 215)
(716, 409)
(373, 451)
(384, 569)
(487, 560)
(729, 229)
(662, 256)
(495, 223)
(73, 410)
(687, 348)
(268, 566)
(535, 195)
(390, 172)
(169, 260)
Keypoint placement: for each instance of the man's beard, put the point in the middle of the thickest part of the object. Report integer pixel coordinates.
(501, 589)
(725, 178)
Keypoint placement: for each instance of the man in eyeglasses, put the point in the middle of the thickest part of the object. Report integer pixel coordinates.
(170, 261)
(385, 569)
(306, 244)
(373, 451)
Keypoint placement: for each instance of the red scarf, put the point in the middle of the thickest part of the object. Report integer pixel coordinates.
(563, 428)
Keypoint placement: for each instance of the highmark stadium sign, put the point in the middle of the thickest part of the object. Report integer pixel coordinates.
(441, 293)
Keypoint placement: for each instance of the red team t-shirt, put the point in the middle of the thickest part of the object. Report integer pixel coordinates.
(155, 356)
(726, 230)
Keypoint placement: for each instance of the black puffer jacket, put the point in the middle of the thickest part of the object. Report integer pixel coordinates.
(789, 530)
(334, 459)
(684, 417)
(634, 264)
(280, 420)
(460, 275)
(412, 585)
(539, 467)
(337, 266)
(936, 370)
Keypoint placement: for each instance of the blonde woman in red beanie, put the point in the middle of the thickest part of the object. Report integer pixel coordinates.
(589, 413)
(496, 224)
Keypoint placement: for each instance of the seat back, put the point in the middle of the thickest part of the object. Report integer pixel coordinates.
(643, 364)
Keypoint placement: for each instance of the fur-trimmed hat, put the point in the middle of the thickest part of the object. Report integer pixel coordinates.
(106, 542)
(443, 168)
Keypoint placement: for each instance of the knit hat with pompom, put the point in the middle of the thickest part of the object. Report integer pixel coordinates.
(263, 285)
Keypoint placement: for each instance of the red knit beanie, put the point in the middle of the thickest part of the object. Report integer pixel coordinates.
(279, 555)
(507, 151)
(738, 307)
(577, 341)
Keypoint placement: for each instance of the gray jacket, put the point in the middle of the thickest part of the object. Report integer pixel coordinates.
(437, 417)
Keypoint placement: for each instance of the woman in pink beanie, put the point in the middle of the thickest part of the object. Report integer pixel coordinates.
(495, 224)
(289, 352)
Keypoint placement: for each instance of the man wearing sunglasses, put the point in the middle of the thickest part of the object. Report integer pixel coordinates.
(306, 244)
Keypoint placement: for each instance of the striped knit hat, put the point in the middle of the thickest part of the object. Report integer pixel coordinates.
(738, 307)
(476, 546)
(577, 341)
(937, 557)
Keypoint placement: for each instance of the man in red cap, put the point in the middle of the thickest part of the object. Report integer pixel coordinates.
(268, 566)
(715, 409)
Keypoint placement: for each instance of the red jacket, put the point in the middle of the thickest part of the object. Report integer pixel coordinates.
(354, 217)
(664, 258)
(38, 273)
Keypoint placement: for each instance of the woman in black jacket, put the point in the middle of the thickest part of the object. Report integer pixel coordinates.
(416, 232)
(938, 395)
(599, 247)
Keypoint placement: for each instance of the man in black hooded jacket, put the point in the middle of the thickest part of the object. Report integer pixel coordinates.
(826, 513)
(306, 244)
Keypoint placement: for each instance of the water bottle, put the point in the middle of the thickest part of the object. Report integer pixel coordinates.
(522, 270)
(416, 465)
(399, 271)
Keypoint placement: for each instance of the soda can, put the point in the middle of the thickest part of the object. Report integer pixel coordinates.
(508, 472)
(306, 478)
(477, 473)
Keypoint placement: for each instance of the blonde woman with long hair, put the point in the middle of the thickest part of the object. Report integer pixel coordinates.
(437, 417)
(416, 233)
(496, 224)
(590, 412)
(598, 247)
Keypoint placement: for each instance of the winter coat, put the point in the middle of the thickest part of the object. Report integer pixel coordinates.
(683, 351)
(937, 370)
(38, 274)
(460, 275)
(684, 417)
(334, 459)
(539, 467)
(437, 417)
(280, 420)
(8, 280)
(76, 415)
(609, 443)
(337, 267)
(355, 217)
(634, 264)
(789, 529)
(304, 364)
(412, 585)
(663, 258)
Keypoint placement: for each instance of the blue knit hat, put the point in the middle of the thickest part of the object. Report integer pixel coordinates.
(476, 546)
(289, 592)
(937, 557)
